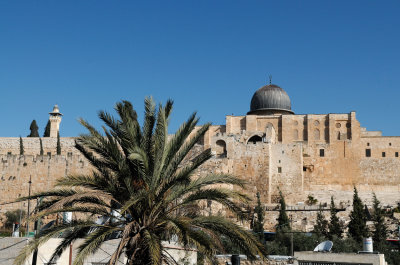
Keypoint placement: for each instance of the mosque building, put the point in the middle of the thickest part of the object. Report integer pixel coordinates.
(304, 154)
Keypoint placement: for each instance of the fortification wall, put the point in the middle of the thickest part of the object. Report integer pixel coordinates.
(15, 171)
(11, 145)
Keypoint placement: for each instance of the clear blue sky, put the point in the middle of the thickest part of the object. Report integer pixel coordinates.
(208, 56)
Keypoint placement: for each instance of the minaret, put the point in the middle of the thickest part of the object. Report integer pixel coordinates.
(55, 120)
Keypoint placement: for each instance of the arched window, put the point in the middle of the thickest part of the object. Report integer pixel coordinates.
(317, 134)
(296, 134)
(221, 148)
(254, 139)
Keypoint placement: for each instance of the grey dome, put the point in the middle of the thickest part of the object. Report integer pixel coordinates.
(270, 99)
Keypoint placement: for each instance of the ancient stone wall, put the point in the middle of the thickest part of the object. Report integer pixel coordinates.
(322, 155)
(43, 171)
(10, 145)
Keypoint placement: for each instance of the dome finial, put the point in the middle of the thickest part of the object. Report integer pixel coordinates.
(270, 79)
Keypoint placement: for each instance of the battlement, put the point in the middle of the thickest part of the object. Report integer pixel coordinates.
(11, 145)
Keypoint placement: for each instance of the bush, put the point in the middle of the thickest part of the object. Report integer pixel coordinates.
(13, 217)
(347, 245)
(311, 200)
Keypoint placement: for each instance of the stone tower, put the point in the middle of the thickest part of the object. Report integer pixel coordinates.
(55, 120)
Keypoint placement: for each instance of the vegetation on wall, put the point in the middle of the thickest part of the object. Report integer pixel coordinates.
(311, 200)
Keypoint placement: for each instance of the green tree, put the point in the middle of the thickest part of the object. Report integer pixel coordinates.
(258, 226)
(143, 183)
(58, 144)
(283, 219)
(357, 225)
(380, 229)
(21, 146)
(321, 225)
(334, 226)
(47, 130)
(345, 245)
(41, 146)
(12, 217)
(34, 129)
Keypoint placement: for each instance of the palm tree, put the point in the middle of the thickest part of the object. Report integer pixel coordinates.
(144, 183)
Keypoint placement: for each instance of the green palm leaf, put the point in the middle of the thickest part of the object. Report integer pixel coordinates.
(145, 183)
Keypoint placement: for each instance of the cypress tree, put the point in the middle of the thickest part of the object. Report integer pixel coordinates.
(21, 146)
(320, 228)
(47, 130)
(258, 227)
(34, 129)
(335, 227)
(41, 146)
(283, 219)
(357, 226)
(380, 233)
(58, 144)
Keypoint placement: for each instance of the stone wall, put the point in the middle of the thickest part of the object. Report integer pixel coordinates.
(10, 145)
(43, 171)
(322, 155)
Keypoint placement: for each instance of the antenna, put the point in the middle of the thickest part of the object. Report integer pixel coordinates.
(270, 79)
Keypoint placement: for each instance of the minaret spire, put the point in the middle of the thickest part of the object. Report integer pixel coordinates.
(270, 79)
(55, 120)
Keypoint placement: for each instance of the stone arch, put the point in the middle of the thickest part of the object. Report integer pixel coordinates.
(317, 134)
(254, 139)
(296, 134)
(220, 148)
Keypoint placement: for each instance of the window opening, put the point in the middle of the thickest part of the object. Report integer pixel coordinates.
(321, 152)
(396, 154)
(279, 169)
(221, 148)
(383, 154)
(368, 152)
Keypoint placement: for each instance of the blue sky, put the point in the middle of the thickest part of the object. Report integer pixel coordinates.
(208, 56)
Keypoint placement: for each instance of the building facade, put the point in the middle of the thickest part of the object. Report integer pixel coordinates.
(321, 155)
